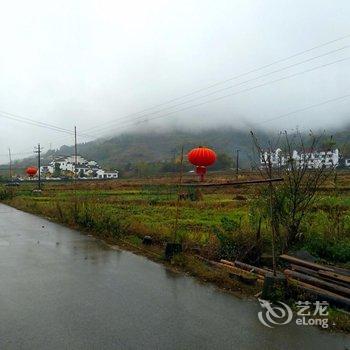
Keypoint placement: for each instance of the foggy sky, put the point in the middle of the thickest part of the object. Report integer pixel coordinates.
(86, 63)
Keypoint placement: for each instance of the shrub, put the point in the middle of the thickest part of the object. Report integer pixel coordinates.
(328, 236)
(236, 241)
(5, 193)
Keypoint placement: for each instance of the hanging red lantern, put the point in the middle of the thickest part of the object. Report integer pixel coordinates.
(31, 171)
(201, 157)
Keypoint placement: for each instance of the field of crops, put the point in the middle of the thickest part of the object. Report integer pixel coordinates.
(214, 222)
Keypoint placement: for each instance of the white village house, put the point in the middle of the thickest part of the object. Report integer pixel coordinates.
(84, 168)
(312, 159)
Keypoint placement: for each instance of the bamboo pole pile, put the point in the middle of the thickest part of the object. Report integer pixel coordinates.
(243, 271)
(323, 283)
(327, 283)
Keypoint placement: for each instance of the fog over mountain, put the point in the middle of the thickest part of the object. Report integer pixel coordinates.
(156, 150)
(110, 67)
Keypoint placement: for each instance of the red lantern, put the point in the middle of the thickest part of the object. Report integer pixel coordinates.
(31, 171)
(201, 157)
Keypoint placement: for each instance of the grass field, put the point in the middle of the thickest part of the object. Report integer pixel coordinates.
(213, 221)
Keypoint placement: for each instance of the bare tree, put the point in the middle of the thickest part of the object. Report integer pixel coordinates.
(304, 171)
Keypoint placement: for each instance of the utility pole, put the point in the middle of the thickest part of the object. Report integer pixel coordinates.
(272, 215)
(179, 195)
(75, 173)
(10, 167)
(237, 163)
(38, 150)
(75, 153)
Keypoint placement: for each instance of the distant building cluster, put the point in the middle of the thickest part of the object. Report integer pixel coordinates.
(63, 166)
(311, 159)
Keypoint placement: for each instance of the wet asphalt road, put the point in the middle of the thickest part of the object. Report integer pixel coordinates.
(62, 290)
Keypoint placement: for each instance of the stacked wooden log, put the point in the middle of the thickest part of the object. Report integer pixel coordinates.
(243, 272)
(240, 271)
(326, 283)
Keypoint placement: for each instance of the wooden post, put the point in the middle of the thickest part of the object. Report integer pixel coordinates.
(178, 196)
(10, 165)
(75, 153)
(75, 173)
(272, 217)
(272, 230)
(39, 165)
(237, 163)
(172, 248)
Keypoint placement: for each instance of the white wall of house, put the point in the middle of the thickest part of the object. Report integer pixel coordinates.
(84, 170)
(89, 168)
(46, 169)
(112, 174)
(102, 174)
(276, 158)
(312, 160)
(80, 160)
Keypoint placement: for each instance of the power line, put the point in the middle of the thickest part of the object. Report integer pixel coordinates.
(249, 89)
(15, 154)
(242, 91)
(305, 108)
(29, 121)
(78, 134)
(234, 77)
(232, 86)
(294, 111)
(26, 120)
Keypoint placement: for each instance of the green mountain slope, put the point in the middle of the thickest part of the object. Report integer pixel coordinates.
(134, 148)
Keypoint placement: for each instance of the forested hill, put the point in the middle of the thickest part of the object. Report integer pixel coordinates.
(133, 148)
(153, 147)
